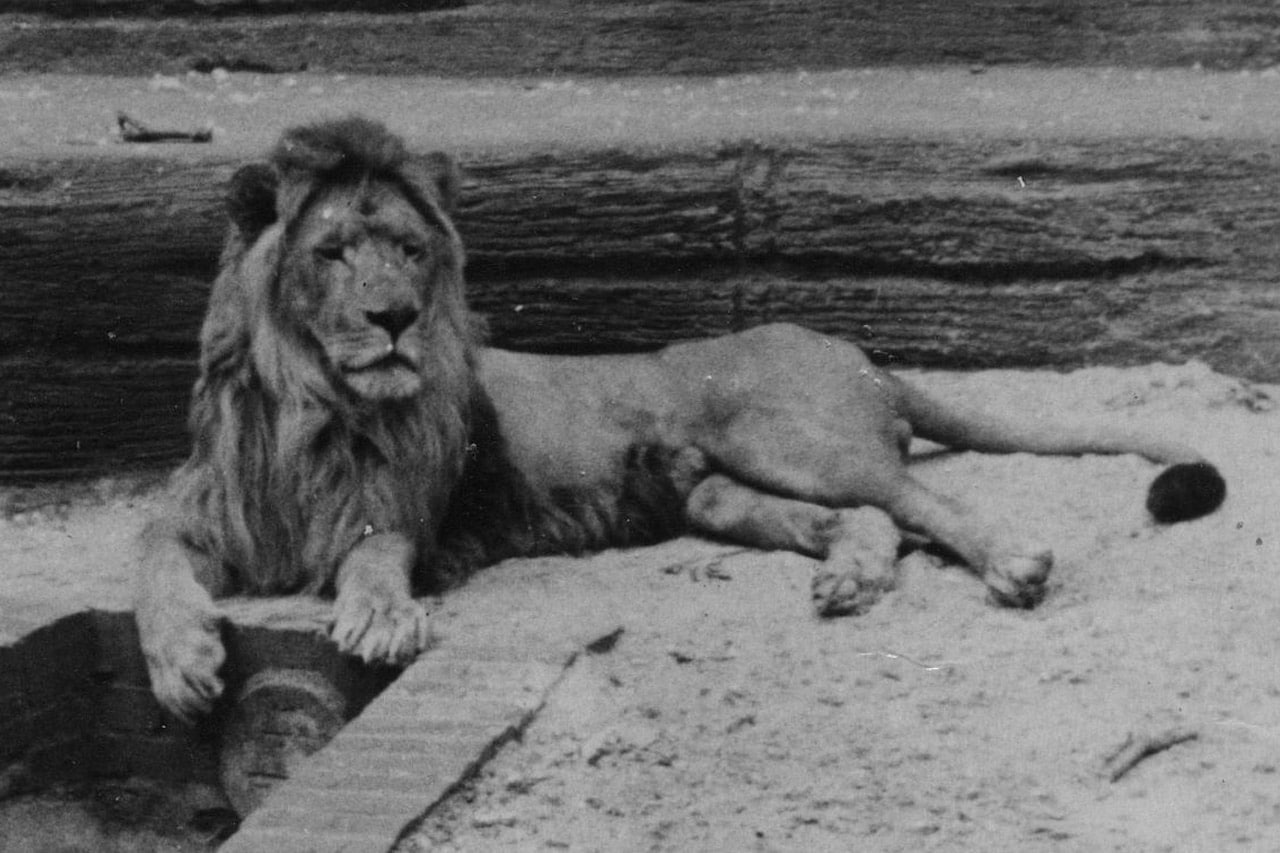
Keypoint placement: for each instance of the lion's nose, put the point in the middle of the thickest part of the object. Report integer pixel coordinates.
(394, 320)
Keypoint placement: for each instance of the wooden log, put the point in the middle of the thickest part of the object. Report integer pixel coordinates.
(592, 209)
(603, 37)
(102, 8)
(69, 417)
(906, 320)
(72, 418)
(278, 718)
(131, 243)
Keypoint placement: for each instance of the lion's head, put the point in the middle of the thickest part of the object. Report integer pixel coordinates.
(336, 357)
(368, 259)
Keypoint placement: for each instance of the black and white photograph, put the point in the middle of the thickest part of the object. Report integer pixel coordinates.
(664, 426)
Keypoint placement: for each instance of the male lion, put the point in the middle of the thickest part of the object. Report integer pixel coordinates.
(352, 436)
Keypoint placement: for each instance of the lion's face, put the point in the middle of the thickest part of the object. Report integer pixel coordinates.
(359, 281)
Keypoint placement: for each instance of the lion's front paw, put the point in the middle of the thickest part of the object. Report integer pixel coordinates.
(183, 650)
(379, 628)
(1017, 579)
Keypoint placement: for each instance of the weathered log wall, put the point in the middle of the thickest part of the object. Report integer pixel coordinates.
(976, 253)
(79, 9)
(132, 243)
(1020, 223)
(613, 37)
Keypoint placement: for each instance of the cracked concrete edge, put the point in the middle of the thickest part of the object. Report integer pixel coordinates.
(407, 753)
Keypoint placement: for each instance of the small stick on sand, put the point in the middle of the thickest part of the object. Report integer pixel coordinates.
(132, 130)
(1135, 749)
(711, 568)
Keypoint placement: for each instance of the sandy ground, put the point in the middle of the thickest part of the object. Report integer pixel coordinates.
(727, 717)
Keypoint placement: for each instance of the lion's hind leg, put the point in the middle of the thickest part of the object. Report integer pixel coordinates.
(858, 547)
(179, 626)
(1015, 572)
(374, 614)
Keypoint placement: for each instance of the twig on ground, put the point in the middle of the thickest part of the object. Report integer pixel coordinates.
(710, 568)
(1136, 748)
(132, 130)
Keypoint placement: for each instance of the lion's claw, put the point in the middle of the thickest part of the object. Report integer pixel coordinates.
(1019, 579)
(846, 593)
(380, 630)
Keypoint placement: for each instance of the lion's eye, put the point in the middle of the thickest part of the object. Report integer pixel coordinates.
(413, 251)
(330, 251)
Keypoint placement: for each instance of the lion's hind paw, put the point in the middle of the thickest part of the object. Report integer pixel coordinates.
(379, 631)
(861, 564)
(846, 593)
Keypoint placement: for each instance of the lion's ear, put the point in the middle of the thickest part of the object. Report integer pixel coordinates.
(251, 199)
(439, 173)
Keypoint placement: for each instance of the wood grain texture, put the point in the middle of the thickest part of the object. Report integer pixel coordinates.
(132, 243)
(74, 418)
(606, 37)
(170, 8)
(951, 252)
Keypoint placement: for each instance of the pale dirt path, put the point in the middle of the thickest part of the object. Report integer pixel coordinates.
(52, 116)
(728, 718)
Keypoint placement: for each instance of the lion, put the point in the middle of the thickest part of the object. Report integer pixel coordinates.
(353, 436)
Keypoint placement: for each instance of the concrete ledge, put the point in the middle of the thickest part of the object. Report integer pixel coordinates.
(427, 733)
(505, 641)
(76, 703)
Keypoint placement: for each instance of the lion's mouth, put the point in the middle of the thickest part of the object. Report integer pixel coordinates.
(388, 361)
(387, 374)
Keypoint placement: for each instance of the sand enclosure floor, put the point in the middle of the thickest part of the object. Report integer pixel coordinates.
(727, 717)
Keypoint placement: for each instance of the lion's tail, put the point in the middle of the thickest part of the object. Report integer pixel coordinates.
(1189, 488)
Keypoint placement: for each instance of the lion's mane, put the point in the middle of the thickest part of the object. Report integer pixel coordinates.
(287, 471)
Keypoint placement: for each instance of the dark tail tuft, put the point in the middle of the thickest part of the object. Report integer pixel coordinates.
(1186, 491)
